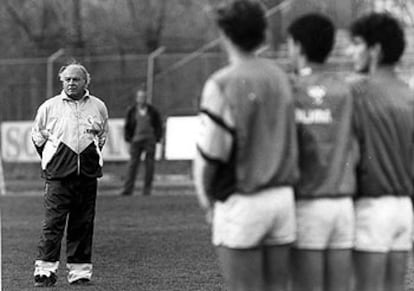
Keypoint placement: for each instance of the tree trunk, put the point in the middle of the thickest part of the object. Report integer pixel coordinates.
(78, 42)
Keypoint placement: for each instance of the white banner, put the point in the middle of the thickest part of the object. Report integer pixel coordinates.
(180, 137)
(17, 146)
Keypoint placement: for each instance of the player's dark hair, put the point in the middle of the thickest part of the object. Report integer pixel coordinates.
(382, 29)
(316, 35)
(243, 22)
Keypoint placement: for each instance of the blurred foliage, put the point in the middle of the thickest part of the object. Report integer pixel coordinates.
(40, 27)
(31, 28)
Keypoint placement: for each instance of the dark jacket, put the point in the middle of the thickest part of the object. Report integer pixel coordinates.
(131, 123)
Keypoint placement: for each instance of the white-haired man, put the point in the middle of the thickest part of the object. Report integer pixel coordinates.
(69, 132)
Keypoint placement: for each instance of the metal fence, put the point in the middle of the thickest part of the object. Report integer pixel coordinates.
(24, 83)
(115, 78)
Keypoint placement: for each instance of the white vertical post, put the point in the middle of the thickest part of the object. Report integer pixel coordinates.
(49, 71)
(150, 71)
(2, 180)
(1, 253)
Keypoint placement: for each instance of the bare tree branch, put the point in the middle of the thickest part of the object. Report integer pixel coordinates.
(20, 21)
(78, 41)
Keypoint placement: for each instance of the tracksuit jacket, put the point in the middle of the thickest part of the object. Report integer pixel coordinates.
(77, 131)
(69, 135)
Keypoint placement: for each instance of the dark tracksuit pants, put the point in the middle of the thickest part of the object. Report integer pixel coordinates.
(72, 199)
(137, 148)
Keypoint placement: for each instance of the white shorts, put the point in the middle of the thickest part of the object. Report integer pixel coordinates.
(383, 224)
(248, 221)
(325, 223)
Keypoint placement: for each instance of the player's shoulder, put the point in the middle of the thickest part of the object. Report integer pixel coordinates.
(330, 80)
(251, 67)
(358, 83)
(335, 81)
(355, 79)
(222, 73)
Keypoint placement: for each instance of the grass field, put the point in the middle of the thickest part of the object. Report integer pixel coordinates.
(157, 243)
(141, 243)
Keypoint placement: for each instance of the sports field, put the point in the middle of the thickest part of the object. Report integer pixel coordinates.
(141, 243)
(157, 243)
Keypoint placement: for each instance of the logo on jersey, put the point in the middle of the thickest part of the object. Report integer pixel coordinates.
(317, 93)
(313, 116)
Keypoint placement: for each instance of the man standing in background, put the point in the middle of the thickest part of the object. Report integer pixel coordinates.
(69, 133)
(143, 130)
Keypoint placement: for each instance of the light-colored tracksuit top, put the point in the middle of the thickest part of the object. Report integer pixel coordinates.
(69, 135)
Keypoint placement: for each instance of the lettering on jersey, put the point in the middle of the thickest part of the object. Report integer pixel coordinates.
(317, 93)
(313, 116)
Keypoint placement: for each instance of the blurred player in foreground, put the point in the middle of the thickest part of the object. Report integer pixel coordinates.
(247, 156)
(322, 258)
(384, 122)
(69, 132)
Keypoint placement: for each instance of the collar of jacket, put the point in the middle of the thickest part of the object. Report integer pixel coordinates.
(67, 98)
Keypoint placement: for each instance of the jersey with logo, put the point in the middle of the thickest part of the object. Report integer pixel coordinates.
(248, 128)
(384, 125)
(327, 149)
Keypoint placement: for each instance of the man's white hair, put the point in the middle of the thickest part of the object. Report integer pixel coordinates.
(85, 72)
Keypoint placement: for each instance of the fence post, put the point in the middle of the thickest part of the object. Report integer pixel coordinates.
(150, 71)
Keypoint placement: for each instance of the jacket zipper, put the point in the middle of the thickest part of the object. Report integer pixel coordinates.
(77, 118)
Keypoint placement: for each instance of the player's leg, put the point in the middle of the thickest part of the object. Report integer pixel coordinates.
(338, 256)
(373, 239)
(370, 270)
(237, 230)
(132, 169)
(314, 223)
(242, 269)
(242, 225)
(307, 270)
(396, 271)
(402, 245)
(278, 241)
(149, 167)
(338, 270)
(276, 271)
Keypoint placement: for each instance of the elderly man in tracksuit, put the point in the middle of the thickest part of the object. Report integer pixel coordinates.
(69, 132)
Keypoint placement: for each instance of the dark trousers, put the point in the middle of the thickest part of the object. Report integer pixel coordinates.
(72, 201)
(136, 149)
